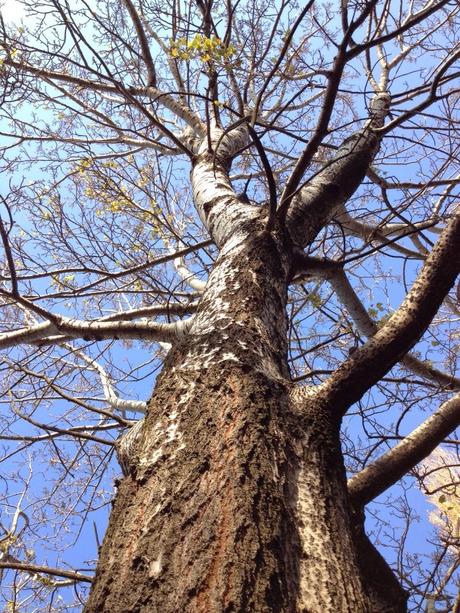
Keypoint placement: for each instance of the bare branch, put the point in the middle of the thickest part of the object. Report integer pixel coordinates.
(324, 193)
(404, 327)
(143, 43)
(389, 468)
(46, 570)
(65, 328)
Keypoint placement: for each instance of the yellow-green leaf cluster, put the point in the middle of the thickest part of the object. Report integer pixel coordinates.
(206, 49)
(100, 186)
(106, 183)
(315, 299)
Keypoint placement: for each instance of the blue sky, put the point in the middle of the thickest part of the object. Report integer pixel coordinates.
(145, 375)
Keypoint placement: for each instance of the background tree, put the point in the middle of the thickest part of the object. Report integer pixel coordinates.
(254, 201)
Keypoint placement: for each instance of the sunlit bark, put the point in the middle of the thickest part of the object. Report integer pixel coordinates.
(234, 498)
(234, 494)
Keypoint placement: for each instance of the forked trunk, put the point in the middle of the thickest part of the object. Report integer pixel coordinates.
(232, 501)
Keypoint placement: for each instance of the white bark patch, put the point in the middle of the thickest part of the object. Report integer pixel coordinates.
(228, 356)
(149, 517)
(217, 313)
(156, 567)
(301, 394)
(229, 144)
(224, 281)
(329, 577)
(197, 359)
(235, 242)
(215, 199)
(216, 202)
(172, 431)
(202, 358)
(166, 438)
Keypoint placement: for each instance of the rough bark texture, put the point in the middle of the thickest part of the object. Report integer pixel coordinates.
(385, 592)
(328, 568)
(232, 501)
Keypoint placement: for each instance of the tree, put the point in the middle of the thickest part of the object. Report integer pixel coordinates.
(298, 165)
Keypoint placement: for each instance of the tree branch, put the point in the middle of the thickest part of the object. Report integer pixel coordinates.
(144, 45)
(9, 259)
(368, 328)
(372, 361)
(372, 233)
(47, 570)
(331, 187)
(215, 200)
(112, 398)
(392, 466)
(155, 94)
(334, 79)
(429, 9)
(65, 328)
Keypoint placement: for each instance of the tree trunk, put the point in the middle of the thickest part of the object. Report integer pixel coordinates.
(234, 500)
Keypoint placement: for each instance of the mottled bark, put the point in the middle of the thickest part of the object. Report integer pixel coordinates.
(385, 592)
(329, 575)
(326, 193)
(233, 501)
